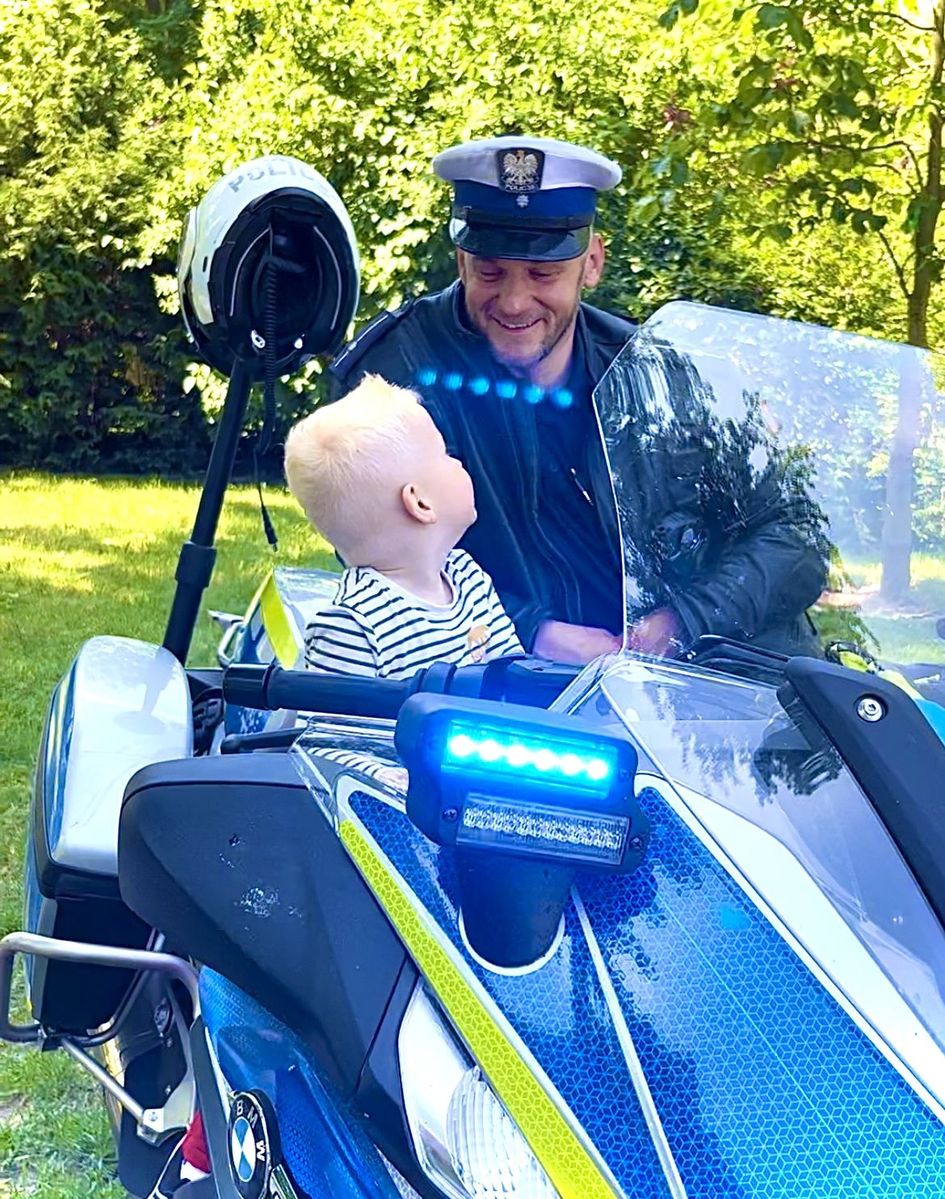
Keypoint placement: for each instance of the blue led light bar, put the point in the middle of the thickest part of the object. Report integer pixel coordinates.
(469, 747)
(507, 779)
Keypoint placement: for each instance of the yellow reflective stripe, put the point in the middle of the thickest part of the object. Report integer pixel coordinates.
(554, 1142)
(276, 622)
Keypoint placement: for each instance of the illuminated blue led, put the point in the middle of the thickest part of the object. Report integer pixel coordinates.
(518, 755)
(479, 386)
(571, 765)
(534, 394)
(462, 746)
(506, 389)
(562, 398)
(491, 751)
(453, 381)
(496, 752)
(546, 760)
(426, 376)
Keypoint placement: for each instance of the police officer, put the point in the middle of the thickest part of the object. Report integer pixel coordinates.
(506, 360)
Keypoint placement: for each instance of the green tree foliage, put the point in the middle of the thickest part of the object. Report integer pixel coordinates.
(83, 349)
(117, 115)
(836, 108)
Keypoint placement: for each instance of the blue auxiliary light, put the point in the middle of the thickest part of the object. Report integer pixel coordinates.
(495, 777)
(472, 748)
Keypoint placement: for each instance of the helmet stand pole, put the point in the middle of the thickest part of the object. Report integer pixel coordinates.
(197, 556)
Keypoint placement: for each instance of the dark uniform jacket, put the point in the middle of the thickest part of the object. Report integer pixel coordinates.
(429, 346)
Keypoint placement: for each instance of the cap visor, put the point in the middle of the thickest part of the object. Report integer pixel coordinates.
(531, 245)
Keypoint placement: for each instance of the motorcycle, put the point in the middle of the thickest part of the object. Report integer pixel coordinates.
(650, 927)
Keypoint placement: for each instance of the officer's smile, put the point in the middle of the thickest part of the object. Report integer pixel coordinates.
(516, 328)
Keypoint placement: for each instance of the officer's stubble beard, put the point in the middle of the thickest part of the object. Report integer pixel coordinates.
(524, 368)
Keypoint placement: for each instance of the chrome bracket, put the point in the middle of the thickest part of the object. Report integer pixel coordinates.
(154, 1124)
(83, 954)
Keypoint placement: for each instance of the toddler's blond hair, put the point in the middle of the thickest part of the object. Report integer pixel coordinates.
(346, 462)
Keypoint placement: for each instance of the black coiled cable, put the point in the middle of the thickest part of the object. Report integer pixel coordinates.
(264, 440)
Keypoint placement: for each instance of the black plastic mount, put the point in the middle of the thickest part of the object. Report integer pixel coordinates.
(893, 753)
(195, 565)
(512, 907)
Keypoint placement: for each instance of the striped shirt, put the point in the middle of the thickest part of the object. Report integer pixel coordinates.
(376, 628)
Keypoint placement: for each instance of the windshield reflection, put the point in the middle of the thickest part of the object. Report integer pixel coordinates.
(762, 467)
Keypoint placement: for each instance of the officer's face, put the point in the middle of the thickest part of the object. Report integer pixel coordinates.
(527, 309)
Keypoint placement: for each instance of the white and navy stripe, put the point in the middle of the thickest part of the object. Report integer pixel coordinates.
(376, 628)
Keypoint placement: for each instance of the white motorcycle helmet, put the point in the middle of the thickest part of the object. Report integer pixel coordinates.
(268, 255)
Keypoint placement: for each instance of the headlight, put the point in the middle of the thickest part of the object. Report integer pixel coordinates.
(464, 1139)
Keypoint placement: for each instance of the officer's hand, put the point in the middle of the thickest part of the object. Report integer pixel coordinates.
(659, 633)
(574, 643)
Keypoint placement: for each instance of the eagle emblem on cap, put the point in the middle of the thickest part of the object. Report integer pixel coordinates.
(520, 170)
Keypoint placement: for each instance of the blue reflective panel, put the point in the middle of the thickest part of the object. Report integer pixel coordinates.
(558, 1011)
(327, 1152)
(588, 767)
(764, 1086)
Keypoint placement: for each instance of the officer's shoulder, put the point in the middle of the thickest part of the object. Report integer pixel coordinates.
(389, 329)
(606, 327)
(372, 335)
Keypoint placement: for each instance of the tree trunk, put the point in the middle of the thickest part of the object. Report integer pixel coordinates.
(900, 480)
(897, 528)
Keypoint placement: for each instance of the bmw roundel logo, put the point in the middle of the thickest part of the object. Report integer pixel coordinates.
(251, 1131)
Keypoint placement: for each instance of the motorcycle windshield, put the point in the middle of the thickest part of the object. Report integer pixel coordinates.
(764, 468)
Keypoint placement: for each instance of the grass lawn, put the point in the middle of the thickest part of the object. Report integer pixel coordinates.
(910, 635)
(80, 557)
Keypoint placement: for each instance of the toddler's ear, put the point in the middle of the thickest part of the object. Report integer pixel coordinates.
(416, 505)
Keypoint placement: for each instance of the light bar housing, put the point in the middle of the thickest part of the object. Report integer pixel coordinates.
(517, 780)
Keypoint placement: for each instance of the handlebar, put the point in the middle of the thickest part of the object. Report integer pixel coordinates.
(271, 688)
(516, 680)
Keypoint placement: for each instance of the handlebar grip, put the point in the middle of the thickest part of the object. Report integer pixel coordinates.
(271, 687)
(245, 686)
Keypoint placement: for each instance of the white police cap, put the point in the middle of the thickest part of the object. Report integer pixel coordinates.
(524, 197)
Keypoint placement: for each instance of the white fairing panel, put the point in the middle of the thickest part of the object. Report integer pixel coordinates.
(129, 707)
